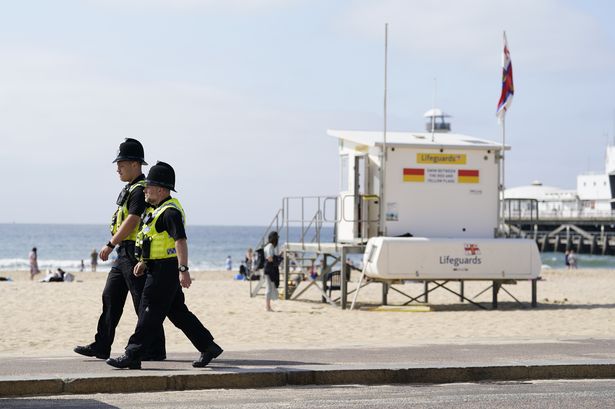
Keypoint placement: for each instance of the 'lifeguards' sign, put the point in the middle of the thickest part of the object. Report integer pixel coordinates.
(441, 158)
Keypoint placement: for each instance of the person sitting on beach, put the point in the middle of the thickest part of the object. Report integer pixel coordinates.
(249, 258)
(33, 263)
(243, 270)
(54, 276)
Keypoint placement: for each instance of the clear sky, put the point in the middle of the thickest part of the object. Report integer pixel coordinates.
(238, 95)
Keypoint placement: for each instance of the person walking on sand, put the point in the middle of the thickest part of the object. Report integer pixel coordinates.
(572, 260)
(163, 259)
(229, 263)
(124, 227)
(93, 260)
(271, 269)
(33, 256)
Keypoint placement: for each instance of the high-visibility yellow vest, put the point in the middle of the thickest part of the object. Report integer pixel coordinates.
(122, 213)
(152, 244)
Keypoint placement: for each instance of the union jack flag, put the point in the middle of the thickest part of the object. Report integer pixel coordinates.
(508, 88)
(471, 249)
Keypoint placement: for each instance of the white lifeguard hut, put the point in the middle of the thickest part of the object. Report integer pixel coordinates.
(436, 184)
(418, 206)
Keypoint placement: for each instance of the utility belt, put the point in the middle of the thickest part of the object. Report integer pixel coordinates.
(126, 243)
(126, 248)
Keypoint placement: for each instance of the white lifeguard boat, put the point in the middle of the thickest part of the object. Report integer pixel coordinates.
(393, 258)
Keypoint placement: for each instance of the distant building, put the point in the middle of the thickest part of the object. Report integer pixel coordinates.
(551, 201)
(595, 190)
(593, 196)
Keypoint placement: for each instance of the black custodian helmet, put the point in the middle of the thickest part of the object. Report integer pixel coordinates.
(161, 174)
(131, 149)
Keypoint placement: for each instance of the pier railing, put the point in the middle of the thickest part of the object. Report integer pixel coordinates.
(561, 215)
(527, 210)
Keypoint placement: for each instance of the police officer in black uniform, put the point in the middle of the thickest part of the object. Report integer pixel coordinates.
(124, 227)
(163, 252)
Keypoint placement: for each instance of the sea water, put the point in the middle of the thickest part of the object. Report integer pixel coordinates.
(65, 245)
(556, 260)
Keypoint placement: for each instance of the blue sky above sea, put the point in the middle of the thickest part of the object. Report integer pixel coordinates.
(238, 95)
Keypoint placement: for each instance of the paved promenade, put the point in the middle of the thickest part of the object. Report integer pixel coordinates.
(565, 359)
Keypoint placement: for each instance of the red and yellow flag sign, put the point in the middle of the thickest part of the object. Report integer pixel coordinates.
(468, 176)
(414, 175)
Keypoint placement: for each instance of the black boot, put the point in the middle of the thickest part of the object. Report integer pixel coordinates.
(90, 350)
(124, 361)
(211, 352)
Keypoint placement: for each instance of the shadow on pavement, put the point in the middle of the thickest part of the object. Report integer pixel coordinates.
(45, 403)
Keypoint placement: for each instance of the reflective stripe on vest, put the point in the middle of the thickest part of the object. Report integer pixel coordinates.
(152, 244)
(122, 213)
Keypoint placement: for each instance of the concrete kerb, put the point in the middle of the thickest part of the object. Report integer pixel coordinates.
(88, 385)
(299, 377)
(31, 387)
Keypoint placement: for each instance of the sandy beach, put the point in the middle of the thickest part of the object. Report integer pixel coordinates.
(49, 319)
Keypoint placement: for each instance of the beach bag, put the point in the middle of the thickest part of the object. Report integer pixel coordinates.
(260, 258)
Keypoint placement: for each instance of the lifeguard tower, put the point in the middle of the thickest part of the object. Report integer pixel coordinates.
(419, 206)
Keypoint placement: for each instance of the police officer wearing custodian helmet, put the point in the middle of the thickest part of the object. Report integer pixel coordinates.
(163, 253)
(124, 227)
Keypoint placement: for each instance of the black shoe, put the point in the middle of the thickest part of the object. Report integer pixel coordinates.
(124, 361)
(212, 351)
(89, 350)
(154, 357)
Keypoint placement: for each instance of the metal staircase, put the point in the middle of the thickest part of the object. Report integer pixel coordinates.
(301, 220)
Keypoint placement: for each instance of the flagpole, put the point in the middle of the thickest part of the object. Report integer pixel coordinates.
(503, 180)
(383, 156)
(508, 91)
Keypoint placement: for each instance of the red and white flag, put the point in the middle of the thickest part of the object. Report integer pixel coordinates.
(508, 89)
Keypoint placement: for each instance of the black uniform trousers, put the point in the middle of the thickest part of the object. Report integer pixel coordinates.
(163, 297)
(120, 281)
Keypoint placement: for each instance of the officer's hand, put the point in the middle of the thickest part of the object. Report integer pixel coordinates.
(139, 269)
(184, 279)
(104, 252)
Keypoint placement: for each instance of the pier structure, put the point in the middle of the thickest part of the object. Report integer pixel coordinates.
(584, 231)
(581, 219)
